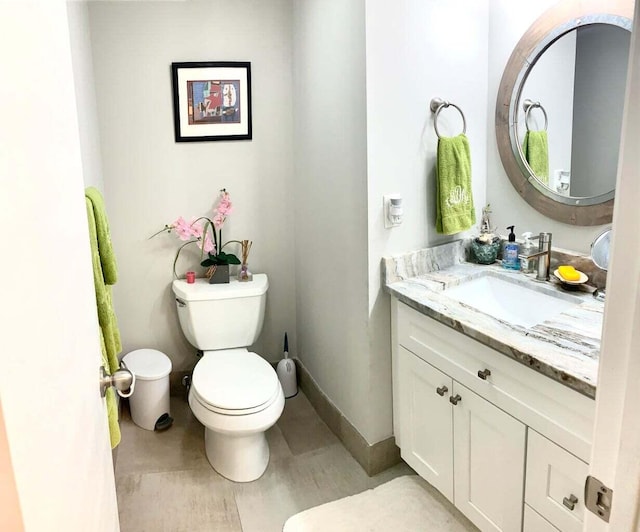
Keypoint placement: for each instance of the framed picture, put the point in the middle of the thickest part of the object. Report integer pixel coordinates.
(211, 101)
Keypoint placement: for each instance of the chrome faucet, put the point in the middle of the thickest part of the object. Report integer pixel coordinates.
(543, 255)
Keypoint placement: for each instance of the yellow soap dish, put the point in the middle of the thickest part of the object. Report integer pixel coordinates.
(583, 278)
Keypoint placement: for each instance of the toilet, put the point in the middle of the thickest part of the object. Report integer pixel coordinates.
(234, 393)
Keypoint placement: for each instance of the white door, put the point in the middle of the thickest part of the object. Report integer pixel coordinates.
(54, 416)
(489, 458)
(616, 442)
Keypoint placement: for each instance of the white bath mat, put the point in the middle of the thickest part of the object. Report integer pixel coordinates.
(403, 504)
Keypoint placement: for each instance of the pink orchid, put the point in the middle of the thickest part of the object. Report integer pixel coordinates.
(207, 244)
(197, 231)
(225, 207)
(218, 220)
(182, 228)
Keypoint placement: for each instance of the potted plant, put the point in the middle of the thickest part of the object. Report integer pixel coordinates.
(206, 233)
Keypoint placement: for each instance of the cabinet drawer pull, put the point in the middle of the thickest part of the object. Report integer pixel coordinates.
(570, 502)
(442, 390)
(484, 373)
(455, 399)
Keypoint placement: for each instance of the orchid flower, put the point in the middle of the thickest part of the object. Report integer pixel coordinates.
(197, 231)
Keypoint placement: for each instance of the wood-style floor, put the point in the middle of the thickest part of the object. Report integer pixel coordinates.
(165, 483)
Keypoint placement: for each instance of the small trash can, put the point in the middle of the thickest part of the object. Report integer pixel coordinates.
(149, 402)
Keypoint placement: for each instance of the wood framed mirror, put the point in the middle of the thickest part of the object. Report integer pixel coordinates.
(565, 82)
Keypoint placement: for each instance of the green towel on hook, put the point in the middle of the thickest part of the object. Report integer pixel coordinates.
(454, 198)
(109, 333)
(105, 248)
(536, 151)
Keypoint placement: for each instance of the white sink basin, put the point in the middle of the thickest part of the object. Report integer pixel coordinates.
(509, 301)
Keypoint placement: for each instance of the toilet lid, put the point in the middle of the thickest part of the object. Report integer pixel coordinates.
(234, 379)
(148, 364)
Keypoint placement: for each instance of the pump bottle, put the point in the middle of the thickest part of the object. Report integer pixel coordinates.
(528, 265)
(510, 251)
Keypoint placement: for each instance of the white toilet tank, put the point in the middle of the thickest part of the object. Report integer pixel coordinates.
(221, 316)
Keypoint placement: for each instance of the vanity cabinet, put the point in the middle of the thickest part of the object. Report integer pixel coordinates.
(508, 419)
(470, 450)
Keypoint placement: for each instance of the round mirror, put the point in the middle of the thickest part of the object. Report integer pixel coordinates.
(559, 110)
(600, 250)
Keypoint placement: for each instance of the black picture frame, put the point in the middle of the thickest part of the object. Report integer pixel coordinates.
(211, 101)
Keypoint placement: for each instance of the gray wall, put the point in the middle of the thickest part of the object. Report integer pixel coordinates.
(331, 201)
(150, 179)
(602, 54)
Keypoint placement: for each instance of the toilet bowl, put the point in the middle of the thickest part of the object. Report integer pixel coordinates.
(234, 393)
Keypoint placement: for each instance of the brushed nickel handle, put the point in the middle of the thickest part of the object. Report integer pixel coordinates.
(442, 390)
(455, 399)
(570, 502)
(123, 380)
(484, 373)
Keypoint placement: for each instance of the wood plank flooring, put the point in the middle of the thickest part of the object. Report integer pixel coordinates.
(165, 483)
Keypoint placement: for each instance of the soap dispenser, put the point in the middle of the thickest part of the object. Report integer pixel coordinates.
(528, 265)
(510, 252)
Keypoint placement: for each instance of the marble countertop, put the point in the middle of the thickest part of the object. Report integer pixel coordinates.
(564, 348)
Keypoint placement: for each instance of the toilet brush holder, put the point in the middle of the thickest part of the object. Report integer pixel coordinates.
(286, 371)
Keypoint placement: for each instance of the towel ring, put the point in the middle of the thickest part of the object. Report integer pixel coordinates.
(437, 104)
(528, 105)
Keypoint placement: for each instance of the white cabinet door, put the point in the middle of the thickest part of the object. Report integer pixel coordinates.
(489, 457)
(555, 483)
(425, 421)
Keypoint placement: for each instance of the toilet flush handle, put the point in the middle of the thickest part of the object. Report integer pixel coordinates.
(123, 380)
(180, 302)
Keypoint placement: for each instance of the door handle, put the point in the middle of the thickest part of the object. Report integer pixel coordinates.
(442, 390)
(123, 380)
(570, 502)
(455, 399)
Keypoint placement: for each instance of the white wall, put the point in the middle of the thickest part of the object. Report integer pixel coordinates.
(150, 180)
(79, 34)
(508, 21)
(331, 201)
(350, 151)
(416, 51)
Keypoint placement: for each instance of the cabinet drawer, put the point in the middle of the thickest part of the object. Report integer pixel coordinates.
(554, 410)
(533, 522)
(555, 483)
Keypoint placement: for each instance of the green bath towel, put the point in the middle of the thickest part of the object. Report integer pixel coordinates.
(109, 333)
(536, 151)
(107, 256)
(112, 401)
(454, 199)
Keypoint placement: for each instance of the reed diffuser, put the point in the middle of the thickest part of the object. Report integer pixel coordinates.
(244, 274)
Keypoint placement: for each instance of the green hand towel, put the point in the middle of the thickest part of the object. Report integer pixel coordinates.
(454, 199)
(536, 151)
(107, 256)
(109, 333)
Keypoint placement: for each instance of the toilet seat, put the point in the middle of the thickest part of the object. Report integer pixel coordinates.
(234, 382)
